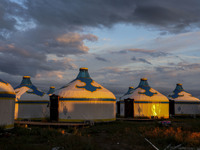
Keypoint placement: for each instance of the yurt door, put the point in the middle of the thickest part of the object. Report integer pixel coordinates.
(118, 107)
(54, 101)
(128, 108)
(171, 107)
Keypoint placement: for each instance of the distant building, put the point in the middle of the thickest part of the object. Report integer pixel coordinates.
(183, 103)
(7, 105)
(31, 103)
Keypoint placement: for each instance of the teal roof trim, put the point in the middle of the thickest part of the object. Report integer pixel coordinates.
(145, 86)
(88, 86)
(32, 102)
(7, 95)
(84, 76)
(27, 83)
(188, 102)
(176, 91)
(130, 91)
(86, 99)
(3, 81)
(150, 102)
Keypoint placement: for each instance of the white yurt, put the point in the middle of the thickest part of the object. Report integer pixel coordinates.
(31, 103)
(83, 100)
(125, 96)
(147, 102)
(183, 103)
(7, 104)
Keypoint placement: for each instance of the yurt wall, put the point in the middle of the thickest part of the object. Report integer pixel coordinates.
(7, 104)
(31, 103)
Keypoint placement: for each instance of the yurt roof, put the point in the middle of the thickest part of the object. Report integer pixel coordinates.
(127, 94)
(6, 90)
(51, 90)
(26, 86)
(84, 87)
(179, 94)
(145, 93)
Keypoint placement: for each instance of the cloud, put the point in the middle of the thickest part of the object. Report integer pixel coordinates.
(101, 59)
(172, 16)
(140, 60)
(30, 31)
(152, 53)
(17, 61)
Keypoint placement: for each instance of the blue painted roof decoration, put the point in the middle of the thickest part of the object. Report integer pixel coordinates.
(84, 76)
(3, 81)
(145, 86)
(130, 91)
(26, 81)
(51, 90)
(177, 90)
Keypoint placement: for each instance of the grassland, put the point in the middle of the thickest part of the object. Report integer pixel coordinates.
(119, 135)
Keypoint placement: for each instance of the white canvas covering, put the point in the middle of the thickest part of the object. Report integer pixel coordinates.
(84, 99)
(31, 103)
(7, 105)
(184, 102)
(148, 102)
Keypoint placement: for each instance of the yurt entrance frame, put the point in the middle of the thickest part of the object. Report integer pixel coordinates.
(129, 106)
(118, 107)
(171, 107)
(54, 104)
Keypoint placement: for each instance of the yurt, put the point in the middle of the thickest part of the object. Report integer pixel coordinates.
(121, 102)
(51, 90)
(84, 100)
(31, 103)
(7, 104)
(146, 102)
(183, 103)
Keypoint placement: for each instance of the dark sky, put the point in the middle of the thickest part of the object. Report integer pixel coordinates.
(49, 40)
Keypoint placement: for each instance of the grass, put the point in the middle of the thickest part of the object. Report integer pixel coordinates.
(119, 135)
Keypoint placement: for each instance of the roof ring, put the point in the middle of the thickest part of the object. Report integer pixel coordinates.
(26, 77)
(143, 79)
(52, 87)
(178, 84)
(81, 69)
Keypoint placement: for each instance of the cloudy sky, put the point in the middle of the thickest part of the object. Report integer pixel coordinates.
(119, 41)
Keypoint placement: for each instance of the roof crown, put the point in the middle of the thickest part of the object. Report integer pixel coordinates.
(143, 83)
(83, 73)
(179, 87)
(26, 80)
(130, 90)
(177, 90)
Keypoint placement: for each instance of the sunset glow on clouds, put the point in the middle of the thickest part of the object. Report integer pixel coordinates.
(120, 42)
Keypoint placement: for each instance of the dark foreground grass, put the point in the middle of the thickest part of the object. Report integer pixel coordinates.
(119, 135)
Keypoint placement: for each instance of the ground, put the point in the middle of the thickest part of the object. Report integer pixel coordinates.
(119, 135)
